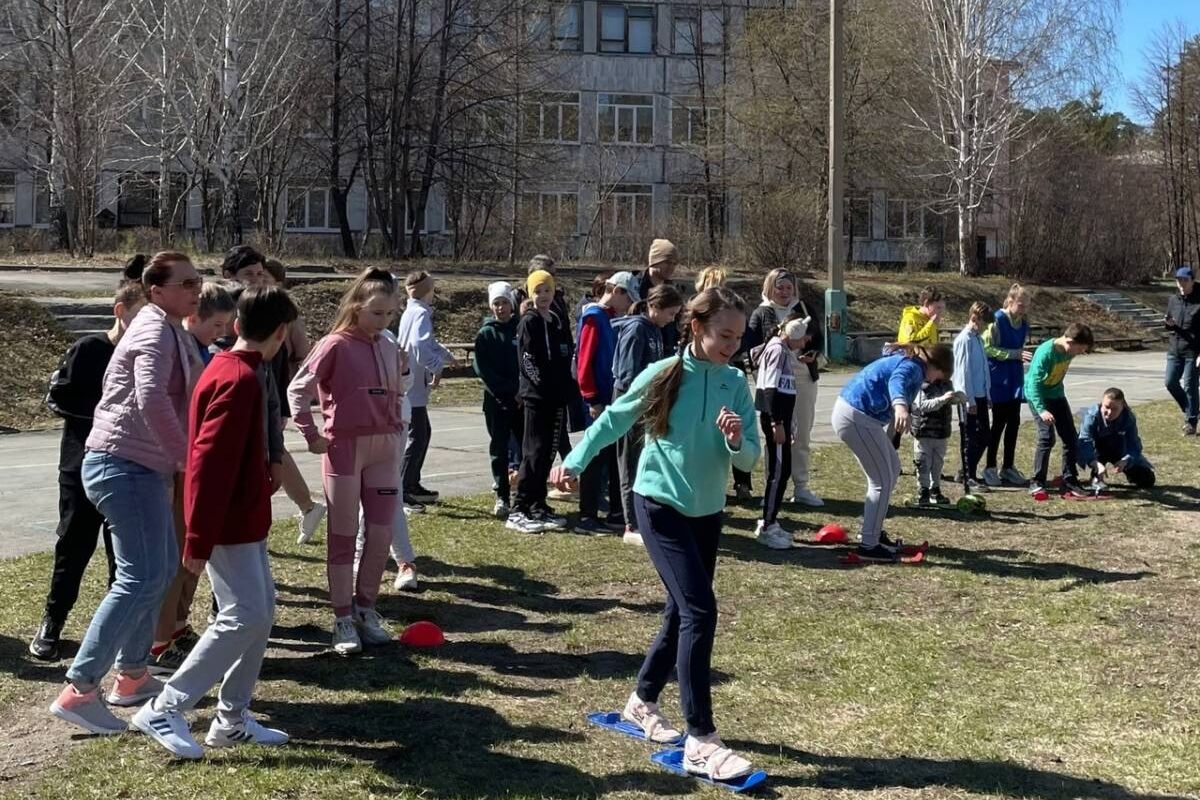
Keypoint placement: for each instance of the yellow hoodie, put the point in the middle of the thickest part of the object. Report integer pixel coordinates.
(916, 327)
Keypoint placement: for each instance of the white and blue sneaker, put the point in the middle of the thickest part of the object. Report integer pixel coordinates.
(169, 729)
(247, 730)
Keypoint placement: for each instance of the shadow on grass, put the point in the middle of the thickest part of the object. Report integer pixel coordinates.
(444, 748)
(16, 661)
(1005, 778)
(1178, 498)
(1000, 563)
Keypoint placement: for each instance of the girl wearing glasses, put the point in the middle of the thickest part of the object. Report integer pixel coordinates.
(137, 446)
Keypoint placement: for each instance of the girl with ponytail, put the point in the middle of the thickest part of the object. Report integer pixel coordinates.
(699, 420)
(356, 372)
(875, 400)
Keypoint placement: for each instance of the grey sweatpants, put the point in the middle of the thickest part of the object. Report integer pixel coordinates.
(234, 645)
(868, 439)
(929, 455)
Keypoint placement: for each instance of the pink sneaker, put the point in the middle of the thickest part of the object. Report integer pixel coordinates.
(130, 691)
(86, 710)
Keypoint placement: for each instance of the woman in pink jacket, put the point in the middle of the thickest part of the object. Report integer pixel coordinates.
(356, 373)
(137, 445)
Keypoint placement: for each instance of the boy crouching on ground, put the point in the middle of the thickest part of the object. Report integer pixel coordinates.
(1109, 435)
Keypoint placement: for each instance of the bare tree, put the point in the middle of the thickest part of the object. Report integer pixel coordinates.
(983, 62)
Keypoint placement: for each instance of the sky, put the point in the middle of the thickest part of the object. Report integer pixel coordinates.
(1141, 20)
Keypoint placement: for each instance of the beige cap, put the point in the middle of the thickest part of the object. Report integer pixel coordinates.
(661, 250)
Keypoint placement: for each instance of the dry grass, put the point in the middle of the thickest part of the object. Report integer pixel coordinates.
(31, 343)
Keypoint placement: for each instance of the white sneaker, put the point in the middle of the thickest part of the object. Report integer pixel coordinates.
(345, 637)
(500, 510)
(646, 716)
(1014, 476)
(169, 729)
(708, 755)
(805, 497)
(522, 523)
(1099, 486)
(633, 537)
(773, 536)
(246, 730)
(406, 578)
(991, 476)
(309, 522)
(371, 627)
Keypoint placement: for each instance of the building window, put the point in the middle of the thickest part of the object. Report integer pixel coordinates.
(41, 202)
(626, 118)
(626, 28)
(137, 201)
(307, 208)
(558, 26)
(8, 198)
(627, 208)
(557, 209)
(693, 30)
(933, 225)
(690, 205)
(856, 217)
(895, 218)
(913, 215)
(987, 203)
(552, 117)
(689, 120)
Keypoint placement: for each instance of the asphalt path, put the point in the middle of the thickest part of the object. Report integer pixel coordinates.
(457, 463)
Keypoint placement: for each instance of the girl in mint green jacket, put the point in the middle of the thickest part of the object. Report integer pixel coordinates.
(699, 420)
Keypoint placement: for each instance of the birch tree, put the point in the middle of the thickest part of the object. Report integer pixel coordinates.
(982, 63)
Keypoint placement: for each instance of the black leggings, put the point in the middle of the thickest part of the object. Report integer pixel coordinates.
(779, 468)
(684, 551)
(1006, 424)
(543, 428)
(978, 436)
(80, 524)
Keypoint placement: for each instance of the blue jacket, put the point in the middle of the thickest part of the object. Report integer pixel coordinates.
(972, 374)
(601, 358)
(639, 344)
(1003, 342)
(883, 383)
(1110, 442)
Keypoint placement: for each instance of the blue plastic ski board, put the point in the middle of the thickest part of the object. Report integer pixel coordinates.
(672, 761)
(612, 720)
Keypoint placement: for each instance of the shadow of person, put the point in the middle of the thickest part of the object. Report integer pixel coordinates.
(1178, 498)
(1004, 778)
(16, 661)
(444, 749)
(537, 603)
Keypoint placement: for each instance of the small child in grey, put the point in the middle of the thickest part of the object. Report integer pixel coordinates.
(931, 425)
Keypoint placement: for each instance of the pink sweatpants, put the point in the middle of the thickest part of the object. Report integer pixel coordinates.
(360, 470)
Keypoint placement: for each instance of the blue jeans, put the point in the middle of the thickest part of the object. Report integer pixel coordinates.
(1183, 382)
(136, 501)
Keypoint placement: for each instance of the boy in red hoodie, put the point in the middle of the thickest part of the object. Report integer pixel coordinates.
(227, 508)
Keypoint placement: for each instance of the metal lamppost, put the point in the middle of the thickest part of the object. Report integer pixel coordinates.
(835, 295)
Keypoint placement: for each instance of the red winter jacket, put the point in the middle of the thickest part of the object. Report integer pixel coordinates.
(227, 486)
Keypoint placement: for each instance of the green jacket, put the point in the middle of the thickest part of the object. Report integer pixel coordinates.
(1044, 380)
(688, 469)
(496, 358)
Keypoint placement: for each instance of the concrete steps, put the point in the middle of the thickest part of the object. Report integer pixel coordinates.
(1142, 316)
(79, 315)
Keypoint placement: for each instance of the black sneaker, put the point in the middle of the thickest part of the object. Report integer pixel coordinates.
(615, 522)
(45, 645)
(923, 498)
(938, 499)
(412, 505)
(590, 526)
(166, 662)
(186, 640)
(423, 495)
(1189, 429)
(880, 553)
(1071, 485)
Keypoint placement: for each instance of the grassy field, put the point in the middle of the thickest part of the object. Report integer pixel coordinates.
(1048, 651)
(31, 342)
